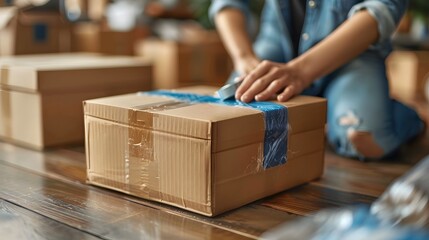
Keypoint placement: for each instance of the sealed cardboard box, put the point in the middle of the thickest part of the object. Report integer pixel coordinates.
(41, 96)
(408, 72)
(32, 32)
(198, 153)
(178, 64)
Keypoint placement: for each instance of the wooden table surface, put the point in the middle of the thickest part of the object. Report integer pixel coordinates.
(43, 195)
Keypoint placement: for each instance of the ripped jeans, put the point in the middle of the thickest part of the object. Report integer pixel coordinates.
(358, 100)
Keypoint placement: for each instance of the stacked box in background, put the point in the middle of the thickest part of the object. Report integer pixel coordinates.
(408, 72)
(177, 64)
(120, 42)
(205, 158)
(32, 32)
(98, 38)
(85, 37)
(92, 10)
(5, 3)
(41, 96)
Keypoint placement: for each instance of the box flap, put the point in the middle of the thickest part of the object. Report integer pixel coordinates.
(6, 14)
(69, 72)
(227, 126)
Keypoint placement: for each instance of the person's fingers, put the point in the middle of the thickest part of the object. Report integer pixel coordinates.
(259, 71)
(287, 93)
(258, 86)
(273, 88)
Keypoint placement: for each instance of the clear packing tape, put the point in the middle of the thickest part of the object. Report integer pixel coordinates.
(401, 213)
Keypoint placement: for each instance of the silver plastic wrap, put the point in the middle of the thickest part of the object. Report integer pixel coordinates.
(401, 213)
(406, 201)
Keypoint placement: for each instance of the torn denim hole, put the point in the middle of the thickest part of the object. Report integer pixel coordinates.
(349, 120)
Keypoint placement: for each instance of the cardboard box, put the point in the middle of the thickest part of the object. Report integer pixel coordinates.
(206, 158)
(407, 72)
(178, 64)
(41, 96)
(5, 3)
(32, 32)
(97, 37)
(117, 43)
(86, 37)
(87, 9)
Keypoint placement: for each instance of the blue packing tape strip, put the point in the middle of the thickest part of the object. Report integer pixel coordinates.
(276, 116)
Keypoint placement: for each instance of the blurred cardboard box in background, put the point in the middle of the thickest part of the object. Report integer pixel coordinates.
(408, 72)
(206, 158)
(93, 10)
(203, 60)
(121, 42)
(85, 37)
(98, 38)
(41, 95)
(31, 32)
(5, 3)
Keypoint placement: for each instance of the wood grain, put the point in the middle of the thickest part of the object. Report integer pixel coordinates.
(19, 223)
(91, 211)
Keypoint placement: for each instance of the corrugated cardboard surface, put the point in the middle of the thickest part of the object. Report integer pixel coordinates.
(41, 96)
(202, 157)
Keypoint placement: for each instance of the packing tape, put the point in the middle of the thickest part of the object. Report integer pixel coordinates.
(275, 115)
(228, 90)
(140, 149)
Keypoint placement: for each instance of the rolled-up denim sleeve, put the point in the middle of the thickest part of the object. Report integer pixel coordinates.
(218, 5)
(387, 13)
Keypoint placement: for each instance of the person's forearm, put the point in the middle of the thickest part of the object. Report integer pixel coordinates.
(231, 24)
(348, 41)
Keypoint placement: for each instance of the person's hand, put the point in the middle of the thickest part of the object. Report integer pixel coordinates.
(244, 65)
(269, 79)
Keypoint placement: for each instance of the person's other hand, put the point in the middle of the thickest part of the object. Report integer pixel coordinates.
(269, 79)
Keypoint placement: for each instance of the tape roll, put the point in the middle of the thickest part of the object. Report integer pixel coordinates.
(228, 91)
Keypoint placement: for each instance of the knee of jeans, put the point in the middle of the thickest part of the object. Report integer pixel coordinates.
(340, 128)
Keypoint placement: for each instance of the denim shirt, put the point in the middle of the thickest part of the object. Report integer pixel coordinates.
(323, 17)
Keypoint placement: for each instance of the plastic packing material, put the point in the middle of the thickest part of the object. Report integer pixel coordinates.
(406, 201)
(13, 226)
(275, 116)
(401, 213)
(344, 224)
